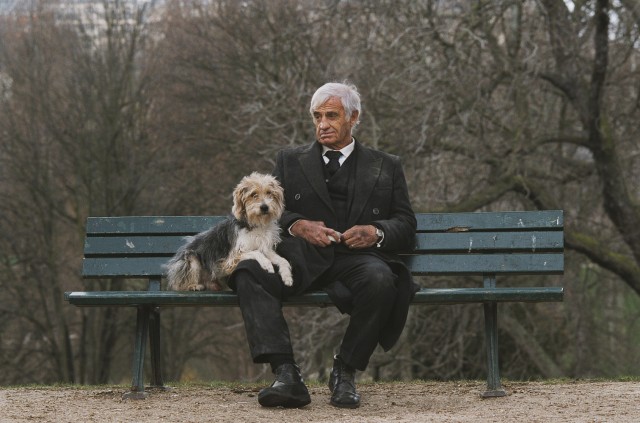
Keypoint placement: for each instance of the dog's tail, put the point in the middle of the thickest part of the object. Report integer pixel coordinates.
(183, 272)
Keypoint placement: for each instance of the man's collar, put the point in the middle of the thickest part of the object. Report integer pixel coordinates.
(348, 149)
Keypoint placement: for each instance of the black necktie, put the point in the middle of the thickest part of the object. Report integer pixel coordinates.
(334, 164)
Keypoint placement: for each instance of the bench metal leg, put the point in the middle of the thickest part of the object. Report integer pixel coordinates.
(140, 345)
(494, 388)
(156, 358)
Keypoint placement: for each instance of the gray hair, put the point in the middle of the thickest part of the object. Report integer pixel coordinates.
(347, 93)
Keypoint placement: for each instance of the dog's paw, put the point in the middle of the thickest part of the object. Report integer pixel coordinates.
(285, 274)
(198, 287)
(267, 266)
(214, 285)
(287, 279)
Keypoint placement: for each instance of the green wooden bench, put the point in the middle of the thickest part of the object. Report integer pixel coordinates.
(486, 244)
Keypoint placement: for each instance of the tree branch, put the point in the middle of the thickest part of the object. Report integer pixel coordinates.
(620, 264)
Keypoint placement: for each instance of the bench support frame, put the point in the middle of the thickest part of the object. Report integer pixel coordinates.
(147, 325)
(494, 387)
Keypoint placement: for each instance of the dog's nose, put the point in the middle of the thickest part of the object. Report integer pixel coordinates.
(264, 208)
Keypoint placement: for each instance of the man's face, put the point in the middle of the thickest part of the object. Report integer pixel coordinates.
(333, 128)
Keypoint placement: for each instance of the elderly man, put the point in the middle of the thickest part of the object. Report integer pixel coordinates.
(347, 215)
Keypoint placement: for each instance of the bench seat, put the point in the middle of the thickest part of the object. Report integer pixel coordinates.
(433, 296)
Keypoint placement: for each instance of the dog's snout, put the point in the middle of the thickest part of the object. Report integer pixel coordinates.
(264, 208)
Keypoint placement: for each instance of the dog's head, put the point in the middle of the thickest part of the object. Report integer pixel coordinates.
(258, 199)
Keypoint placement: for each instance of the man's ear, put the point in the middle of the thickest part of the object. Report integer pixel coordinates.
(354, 117)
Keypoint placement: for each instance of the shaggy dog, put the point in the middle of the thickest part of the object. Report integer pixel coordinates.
(252, 233)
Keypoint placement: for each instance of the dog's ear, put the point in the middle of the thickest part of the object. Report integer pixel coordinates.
(238, 209)
(277, 191)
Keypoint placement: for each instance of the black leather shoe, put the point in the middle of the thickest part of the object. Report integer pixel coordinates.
(288, 390)
(342, 384)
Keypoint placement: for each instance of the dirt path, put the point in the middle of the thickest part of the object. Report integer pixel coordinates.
(389, 402)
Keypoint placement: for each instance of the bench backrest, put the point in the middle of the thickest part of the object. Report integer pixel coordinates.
(479, 243)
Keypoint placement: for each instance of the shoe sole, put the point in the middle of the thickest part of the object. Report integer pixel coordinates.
(340, 405)
(276, 400)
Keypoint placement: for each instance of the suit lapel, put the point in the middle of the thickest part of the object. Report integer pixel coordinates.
(311, 164)
(367, 172)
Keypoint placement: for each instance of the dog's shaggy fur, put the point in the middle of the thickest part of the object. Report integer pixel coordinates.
(252, 233)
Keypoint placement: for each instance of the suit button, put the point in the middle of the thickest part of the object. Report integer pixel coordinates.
(376, 211)
(297, 196)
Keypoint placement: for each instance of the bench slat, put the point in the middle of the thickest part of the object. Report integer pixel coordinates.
(475, 221)
(150, 224)
(132, 245)
(432, 242)
(475, 264)
(512, 220)
(227, 298)
(428, 264)
(531, 241)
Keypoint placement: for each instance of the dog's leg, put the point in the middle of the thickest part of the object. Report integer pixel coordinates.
(264, 262)
(183, 273)
(213, 284)
(194, 274)
(284, 268)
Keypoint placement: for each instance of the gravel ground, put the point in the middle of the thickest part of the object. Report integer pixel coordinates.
(581, 401)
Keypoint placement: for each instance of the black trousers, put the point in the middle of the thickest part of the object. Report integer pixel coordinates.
(372, 286)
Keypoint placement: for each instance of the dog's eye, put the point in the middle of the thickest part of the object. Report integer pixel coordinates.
(254, 195)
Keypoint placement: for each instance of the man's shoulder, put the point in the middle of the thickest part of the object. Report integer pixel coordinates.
(296, 149)
(379, 153)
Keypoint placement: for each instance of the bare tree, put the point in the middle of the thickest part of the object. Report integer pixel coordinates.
(35, 245)
(538, 118)
(76, 143)
(467, 93)
(504, 104)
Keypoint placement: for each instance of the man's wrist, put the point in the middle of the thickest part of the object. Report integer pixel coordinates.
(291, 227)
(380, 236)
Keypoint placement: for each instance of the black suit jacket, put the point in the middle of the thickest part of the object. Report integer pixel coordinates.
(377, 195)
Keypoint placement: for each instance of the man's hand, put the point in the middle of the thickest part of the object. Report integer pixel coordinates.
(315, 232)
(360, 236)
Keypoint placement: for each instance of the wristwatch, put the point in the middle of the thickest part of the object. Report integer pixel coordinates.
(380, 235)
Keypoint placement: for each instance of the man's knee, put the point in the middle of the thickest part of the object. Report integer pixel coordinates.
(381, 283)
(251, 279)
(240, 279)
